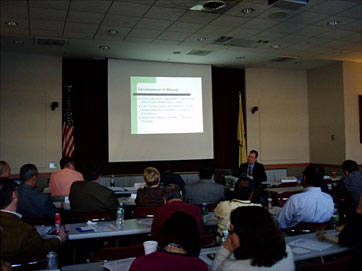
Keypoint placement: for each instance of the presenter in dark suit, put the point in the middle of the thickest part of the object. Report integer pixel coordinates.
(255, 170)
(90, 196)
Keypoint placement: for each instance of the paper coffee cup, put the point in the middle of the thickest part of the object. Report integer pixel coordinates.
(150, 246)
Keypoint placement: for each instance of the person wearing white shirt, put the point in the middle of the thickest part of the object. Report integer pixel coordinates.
(312, 205)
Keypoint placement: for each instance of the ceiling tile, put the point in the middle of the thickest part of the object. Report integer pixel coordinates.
(184, 27)
(232, 21)
(355, 26)
(242, 33)
(214, 30)
(311, 31)
(153, 24)
(259, 24)
(84, 17)
(354, 12)
(306, 18)
(175, 36)
(119, 20)
(107, 37)
(268, 36)
(14, 13)
(92, 6)
(286, 28)
(22, 26)
(144, 34)
(342, 35)
(122, 31)
(164, 13)
(184, 4)
(37, 25)
(47, 14)
(19, 3)
(81, 28)
(128, 9)
(236, 10)
(49, 4)
(194, 39)
(198, 17)
(77, 35)
(333, 7)
(47, 33)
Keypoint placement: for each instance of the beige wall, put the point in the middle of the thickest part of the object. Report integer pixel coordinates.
(30, 132)
(279, 130)
(352, 82)
(326, 114)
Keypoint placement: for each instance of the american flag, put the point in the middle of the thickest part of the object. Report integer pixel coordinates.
(67, 136)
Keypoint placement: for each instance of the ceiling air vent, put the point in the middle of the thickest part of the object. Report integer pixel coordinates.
(198, 53)
(288, 4)
(282, 59)
(51, 41)
(246, 43)
(222, 39)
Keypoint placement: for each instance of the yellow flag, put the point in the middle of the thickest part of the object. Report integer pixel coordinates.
(241, 134)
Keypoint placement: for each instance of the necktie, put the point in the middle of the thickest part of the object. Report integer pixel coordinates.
(249, 171)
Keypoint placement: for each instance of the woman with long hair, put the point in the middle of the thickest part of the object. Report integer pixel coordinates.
(256, 242)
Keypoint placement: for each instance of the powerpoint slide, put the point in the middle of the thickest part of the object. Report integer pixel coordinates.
(166, 105)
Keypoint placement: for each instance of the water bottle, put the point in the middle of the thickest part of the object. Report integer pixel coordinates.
(112, 181)
(120, 215)
(52, 261)
(335, 219)
(225, 234)
(205, 211)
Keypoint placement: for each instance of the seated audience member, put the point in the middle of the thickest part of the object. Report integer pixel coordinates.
(33, 204)
(5, 266)
(351, 236)
(205, 190)
(90, 196)
(151, 194)
(348, 190)
(61, 180)
(243, 192)
(312, 205)
(180, 248)
(255, 241)
(4, 170)
(168, 177)
(172, 204)
(19, 239)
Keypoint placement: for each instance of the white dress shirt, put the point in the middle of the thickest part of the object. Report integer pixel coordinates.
(313, 206)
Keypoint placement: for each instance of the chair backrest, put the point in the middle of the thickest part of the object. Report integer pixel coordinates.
(288, 184)
(340, 264)
(305, 227)
(84, 217)
(210, 207)
(144, 211)
(38, 221)
(115, 253)
(207, 240)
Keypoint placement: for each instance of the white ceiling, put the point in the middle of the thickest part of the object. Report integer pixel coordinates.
(166, 30)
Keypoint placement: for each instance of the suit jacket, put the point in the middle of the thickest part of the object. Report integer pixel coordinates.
(33, 204)
(91, 197)
(258, 173)
(204, 191)
(19, 239)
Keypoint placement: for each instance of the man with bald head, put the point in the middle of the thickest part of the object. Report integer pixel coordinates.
(4, 169)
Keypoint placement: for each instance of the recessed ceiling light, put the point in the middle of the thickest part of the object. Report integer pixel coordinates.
(275, 46)
(247, 10)
(113, 31)
(239, 57)
(18, 42)
(337, 52)
(333, 22)
(201, 38)
(104, 47)
(213, 5)
(298, 62)
(11, 23)
(177, 52)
